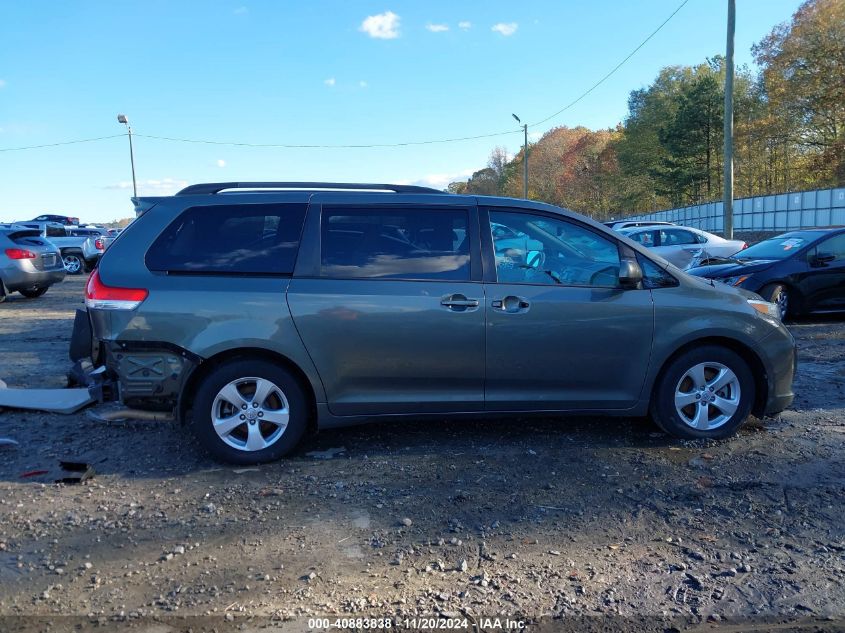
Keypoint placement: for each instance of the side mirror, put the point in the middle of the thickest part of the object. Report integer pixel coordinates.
(630, 274)
(817, 261)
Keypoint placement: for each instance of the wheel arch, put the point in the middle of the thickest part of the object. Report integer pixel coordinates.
(795, 297)
(189, 388)
(747, 353)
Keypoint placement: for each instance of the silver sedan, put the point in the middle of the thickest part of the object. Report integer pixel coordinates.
(683, 246)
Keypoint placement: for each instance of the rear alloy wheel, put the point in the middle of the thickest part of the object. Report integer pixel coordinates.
(779, 295)
(248, 412)
(32, 293)
(73, 263)
(706, 392)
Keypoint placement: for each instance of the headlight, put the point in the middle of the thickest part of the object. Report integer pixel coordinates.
(734, 281)
(765, 308)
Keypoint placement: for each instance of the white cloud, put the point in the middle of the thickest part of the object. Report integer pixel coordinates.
(330, 82)
(465, 25)
(384, 26)
(437, 28)
(362, 84)
(162, 187)
(439, 181)
(240, 11)
(505, 28)
(221, 162)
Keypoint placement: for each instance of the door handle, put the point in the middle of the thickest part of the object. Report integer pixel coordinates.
(511, 304)
(458, 302)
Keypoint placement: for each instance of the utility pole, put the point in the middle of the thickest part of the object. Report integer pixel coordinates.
(121, 118)
(729, 123)
(524, 158)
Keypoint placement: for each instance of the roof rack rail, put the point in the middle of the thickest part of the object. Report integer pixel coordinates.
(217, 187)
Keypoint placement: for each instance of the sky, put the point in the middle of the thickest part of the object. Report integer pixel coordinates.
(318, 72)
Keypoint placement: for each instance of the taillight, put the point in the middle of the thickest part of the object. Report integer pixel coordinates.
(20, 253)
(99, 295)
(99, 244)
(744, 246)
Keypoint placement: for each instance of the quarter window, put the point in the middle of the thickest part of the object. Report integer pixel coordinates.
(367, 243)
(545, 250)
(220, 239)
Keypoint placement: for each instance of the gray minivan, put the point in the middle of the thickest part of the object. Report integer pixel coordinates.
(258, 311)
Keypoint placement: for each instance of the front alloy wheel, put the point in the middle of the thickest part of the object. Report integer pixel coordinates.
(707, 395)
(705, 392)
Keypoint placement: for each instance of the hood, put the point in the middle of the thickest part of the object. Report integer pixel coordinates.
(731, 267)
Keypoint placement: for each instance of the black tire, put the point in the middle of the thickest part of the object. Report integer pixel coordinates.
(2, 293)
(73, 261)
(783, 297)
(33, 293)
(663, 405)
(220, 377)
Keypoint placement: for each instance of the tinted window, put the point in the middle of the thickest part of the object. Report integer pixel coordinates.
(56, 231)
(247, 238)
(675, 237)
(545, 250)
(646, 238)
(395, 243)
(834, 246)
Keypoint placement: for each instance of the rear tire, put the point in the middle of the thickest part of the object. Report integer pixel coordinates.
(782, 297)
(33, 293)
(715, 376)
(249, 429)
(73, 262)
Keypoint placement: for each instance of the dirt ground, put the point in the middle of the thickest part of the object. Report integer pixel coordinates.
(585, 524)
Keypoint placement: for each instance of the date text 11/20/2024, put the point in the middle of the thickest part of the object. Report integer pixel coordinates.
(415, 624)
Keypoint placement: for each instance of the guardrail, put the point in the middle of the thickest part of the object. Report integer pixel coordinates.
(779, 212)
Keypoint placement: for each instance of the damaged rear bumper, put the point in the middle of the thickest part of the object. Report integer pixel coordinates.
(143, 374)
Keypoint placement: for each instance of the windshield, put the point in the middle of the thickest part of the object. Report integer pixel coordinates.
(779, 247)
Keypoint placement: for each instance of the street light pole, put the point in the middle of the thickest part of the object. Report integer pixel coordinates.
(524, 158)
(121, 118)
(729, 123)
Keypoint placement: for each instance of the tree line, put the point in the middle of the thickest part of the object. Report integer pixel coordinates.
(789, 131)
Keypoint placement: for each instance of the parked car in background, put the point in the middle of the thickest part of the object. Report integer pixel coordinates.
(683, 246)
(800, 271)
(67, 220)
(80, 253)
(90, 231)
(618, 225)
(29, 263)
(256, 316)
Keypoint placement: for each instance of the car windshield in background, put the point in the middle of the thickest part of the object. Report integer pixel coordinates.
(779, 247)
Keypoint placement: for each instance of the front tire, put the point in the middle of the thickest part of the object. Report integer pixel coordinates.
(33, 293)
(249, 412)
(782, 297)
(705, 393)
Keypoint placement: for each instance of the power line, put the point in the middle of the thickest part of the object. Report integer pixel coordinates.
(615, 68)
(371, 145)
(315, 146)
(81, 140)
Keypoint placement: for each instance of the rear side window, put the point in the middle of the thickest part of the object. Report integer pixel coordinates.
(220, 239)
(395, 243)
(56, 231)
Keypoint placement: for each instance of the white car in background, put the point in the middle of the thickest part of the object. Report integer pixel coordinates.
(618, 225)
(683, 246)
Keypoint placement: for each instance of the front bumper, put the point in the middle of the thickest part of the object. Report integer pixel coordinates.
(781, 360)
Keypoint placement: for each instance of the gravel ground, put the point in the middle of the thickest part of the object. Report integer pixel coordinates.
(591, 524)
